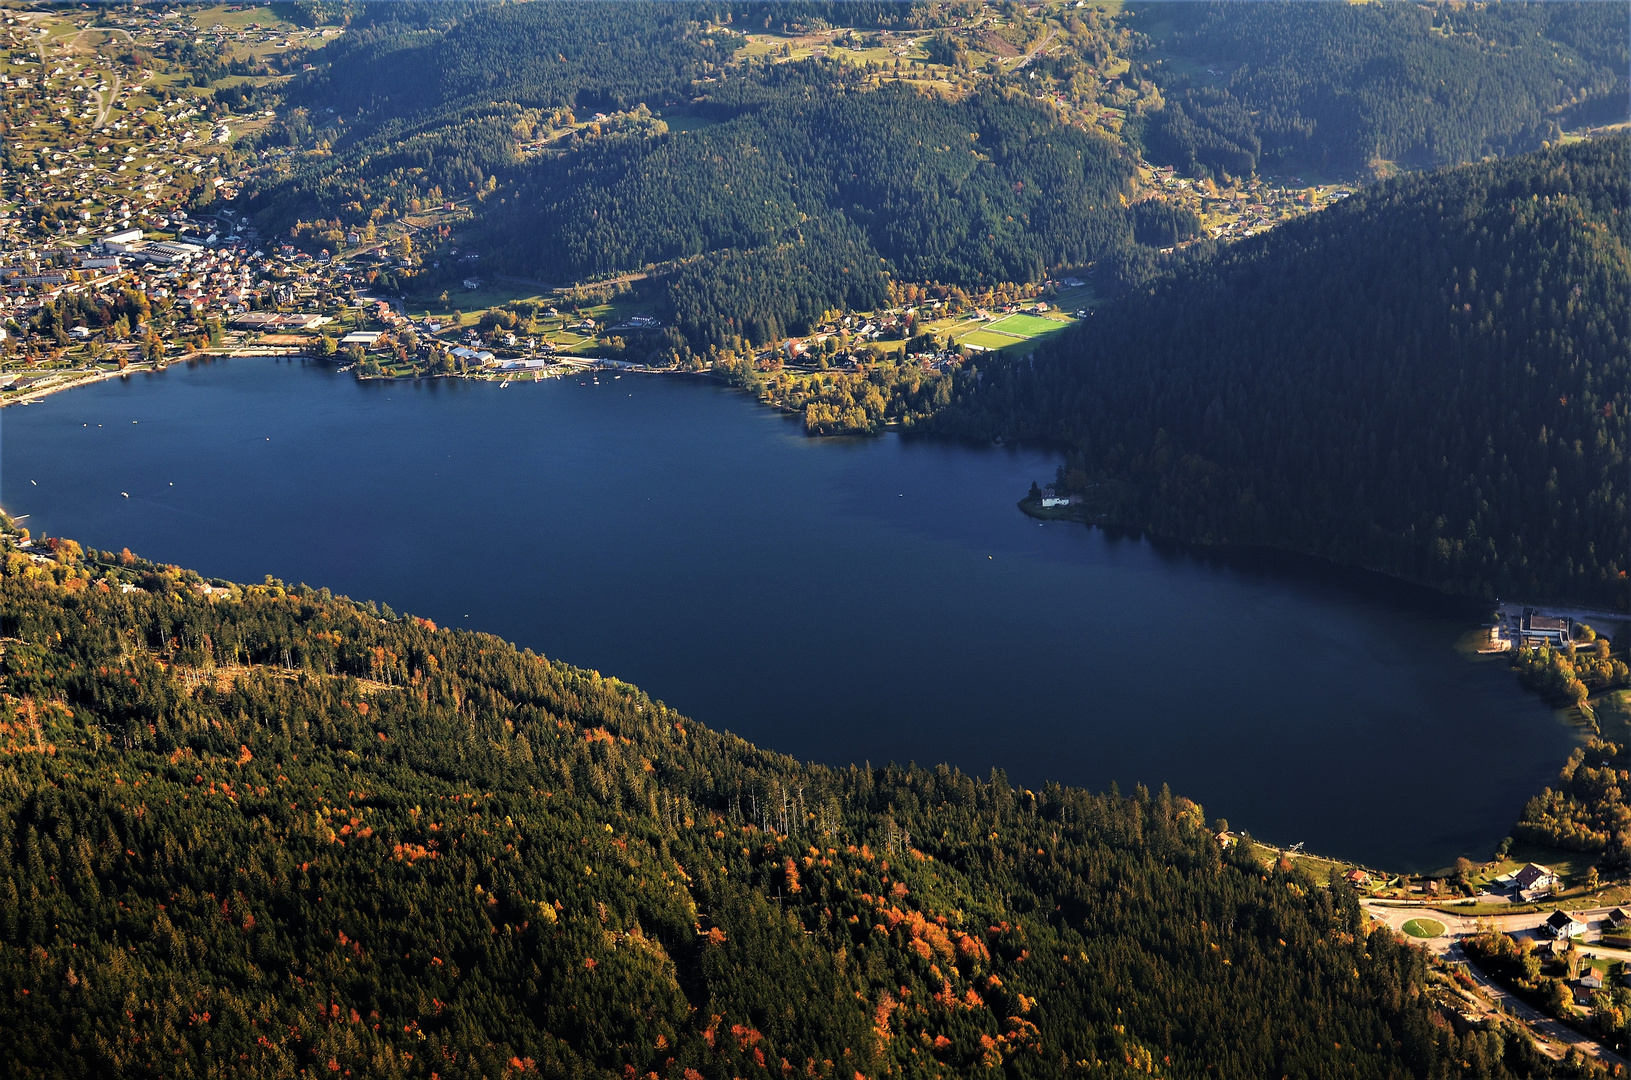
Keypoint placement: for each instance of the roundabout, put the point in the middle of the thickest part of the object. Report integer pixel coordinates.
(1424, 928)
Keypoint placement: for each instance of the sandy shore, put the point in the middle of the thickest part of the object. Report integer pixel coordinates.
(80, 378)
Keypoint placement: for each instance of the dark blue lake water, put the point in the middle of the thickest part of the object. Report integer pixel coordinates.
(840, 600)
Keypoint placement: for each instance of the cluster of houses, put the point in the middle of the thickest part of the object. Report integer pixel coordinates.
(149, 152)
(1257, 206)
(201, 275)
(127, 174)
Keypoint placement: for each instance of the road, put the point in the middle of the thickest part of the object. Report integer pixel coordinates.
(1553, 1036)
(105, 104)
(1032, 55)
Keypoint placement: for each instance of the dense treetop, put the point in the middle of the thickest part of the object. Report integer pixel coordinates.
(272, 832)
(1344, 87)
(1430, 378)
(984, 189)
(699, 152)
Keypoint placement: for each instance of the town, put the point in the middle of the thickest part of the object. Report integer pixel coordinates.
(121, 247)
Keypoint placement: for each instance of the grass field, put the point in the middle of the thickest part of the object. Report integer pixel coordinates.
(1614, 714)
(1006, 332)
(1025, 326)
(1424, 928)
(987, 340)
(1081, 296)
(681, 121)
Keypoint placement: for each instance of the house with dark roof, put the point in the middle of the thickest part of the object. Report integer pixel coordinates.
(1562, 925)
(1534, 880)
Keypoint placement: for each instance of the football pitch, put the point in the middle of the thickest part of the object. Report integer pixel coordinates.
(1025, 326)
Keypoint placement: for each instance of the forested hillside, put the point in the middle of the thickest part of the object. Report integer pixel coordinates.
(1348, 87)
(785, 157)
(268, 832)
(588, 140)
(420, 104)
(986, 189)
(1431, 378)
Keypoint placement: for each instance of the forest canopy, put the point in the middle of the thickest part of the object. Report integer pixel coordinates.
(1349, 87)
(590, 141)
(269, 831)
(1430, 378)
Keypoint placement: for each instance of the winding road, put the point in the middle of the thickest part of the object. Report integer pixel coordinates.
(106, 103)
(1554, 1037)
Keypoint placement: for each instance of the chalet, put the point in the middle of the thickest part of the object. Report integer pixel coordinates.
(1617, 919)
(1534, 880)
(1357, 877)
(1591, 980)
(1562, 925)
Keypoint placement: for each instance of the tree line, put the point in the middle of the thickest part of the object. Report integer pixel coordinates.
(272, 831)
(417, 104)
(1349, 88)
(1429, 378)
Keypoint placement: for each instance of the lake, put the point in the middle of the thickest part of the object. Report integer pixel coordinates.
(840, 600)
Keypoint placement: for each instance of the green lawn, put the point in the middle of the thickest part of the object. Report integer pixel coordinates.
(472, 302)
(1025, 326)
(1424, 928)
(1079, 296)
(681, 121)
(1614, 714)
(988, 340)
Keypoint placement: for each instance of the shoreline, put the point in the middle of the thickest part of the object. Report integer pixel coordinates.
(1081, 514)
(87, 378)
(1063, 513)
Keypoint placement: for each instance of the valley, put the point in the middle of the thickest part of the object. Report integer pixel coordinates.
(710, 343)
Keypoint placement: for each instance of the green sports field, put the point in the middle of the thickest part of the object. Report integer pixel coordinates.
(1025, 326)
(987, 340)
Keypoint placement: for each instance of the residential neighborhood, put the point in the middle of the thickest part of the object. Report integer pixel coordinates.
(121, 245)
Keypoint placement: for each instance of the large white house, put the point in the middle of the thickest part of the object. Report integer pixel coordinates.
(1534, 880)
(1562, 925)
